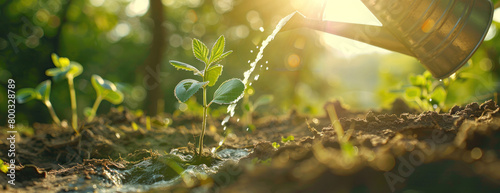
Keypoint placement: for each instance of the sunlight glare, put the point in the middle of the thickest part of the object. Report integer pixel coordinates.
(96, 3)
(351, 11)
(137, 8)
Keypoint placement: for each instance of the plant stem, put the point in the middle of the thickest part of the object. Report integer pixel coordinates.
(94, 108)
(74, 116)
(52, 112)
(205, 108)
(204, 124)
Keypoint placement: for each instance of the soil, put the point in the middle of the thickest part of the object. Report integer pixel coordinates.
(391, 150)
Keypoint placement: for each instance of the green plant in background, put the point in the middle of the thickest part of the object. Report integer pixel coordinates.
(3, 166)
(427, 92)
(227, 93)
(42, 93)
(249, 106)
(105, 90)
(66, 69)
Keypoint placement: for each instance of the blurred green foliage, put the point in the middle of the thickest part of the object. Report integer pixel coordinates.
(113, 38)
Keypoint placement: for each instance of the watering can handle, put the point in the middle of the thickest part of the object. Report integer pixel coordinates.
(373, 35)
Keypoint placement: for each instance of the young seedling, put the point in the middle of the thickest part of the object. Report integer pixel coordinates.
(42, 93)
(227, 93)
(105, 90)
(66, 69)
(426, 92)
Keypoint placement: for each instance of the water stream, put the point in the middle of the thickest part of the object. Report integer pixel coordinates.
(253, 65)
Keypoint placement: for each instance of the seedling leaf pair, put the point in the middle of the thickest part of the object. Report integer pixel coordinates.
(201, 52)
(107, 90)
(41, 92)
(64, 68)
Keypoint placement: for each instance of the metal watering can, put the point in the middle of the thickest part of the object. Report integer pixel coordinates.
(441, 34)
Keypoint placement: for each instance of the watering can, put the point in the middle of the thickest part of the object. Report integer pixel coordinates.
(441, 34)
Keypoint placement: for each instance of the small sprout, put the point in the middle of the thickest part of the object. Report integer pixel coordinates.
(42, 93)
(105, 90)
(66, 69)
(227, 93)
(3, 167)
(134, 126)
(276, 145)
(427, 92)
(287, 139)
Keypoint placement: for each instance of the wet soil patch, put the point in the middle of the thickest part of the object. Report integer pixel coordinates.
(391, 150)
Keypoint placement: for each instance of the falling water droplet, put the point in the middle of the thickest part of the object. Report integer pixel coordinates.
(256, 77)
(260, 55)
(225, 120)
(251, 51)
(247, 128)
(261, 65)
(440, 80)
(250, 84)
(435, 106)
(257, 47)
(238, 120)
(267, 61)
(430, 100)
(224, 128)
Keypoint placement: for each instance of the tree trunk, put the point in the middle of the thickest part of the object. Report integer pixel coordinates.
(152, 66)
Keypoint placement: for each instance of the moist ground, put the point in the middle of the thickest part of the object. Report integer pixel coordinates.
(391, 150)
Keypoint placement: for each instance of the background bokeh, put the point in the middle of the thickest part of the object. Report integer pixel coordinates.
(131, 41)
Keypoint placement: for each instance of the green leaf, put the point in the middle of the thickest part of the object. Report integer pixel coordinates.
(439, 95)
(25, 94)
(217, 49)
(287, 139)
(75, 69)
(248, 106)
(263, 100)
(87, 111)
(418, 80)
(276, 145)
(114, 96)
(57, 73)
(200, 50)
(107, 90)
(3, 167)
(229, 91)
(223, 56)
(43, 91)
(183, 66)
(60, 62)
(213, 74)
(187, 88)
(412, 93)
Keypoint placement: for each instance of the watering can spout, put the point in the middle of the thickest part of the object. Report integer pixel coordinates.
(442, 34)
(373, 35)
